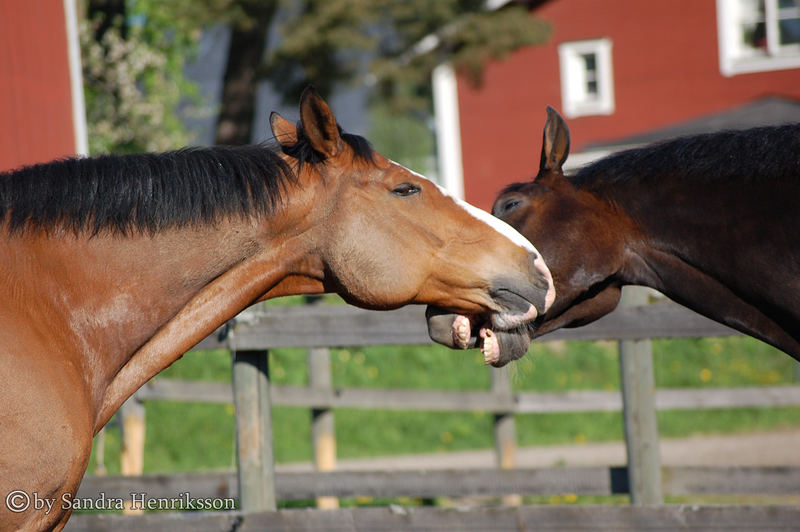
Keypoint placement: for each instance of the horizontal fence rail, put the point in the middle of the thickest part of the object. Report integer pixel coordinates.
(399, 519)
(519, 403)
(346, 326)
(677, 480)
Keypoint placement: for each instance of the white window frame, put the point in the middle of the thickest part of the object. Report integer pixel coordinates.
(575, 100)
(735, 59)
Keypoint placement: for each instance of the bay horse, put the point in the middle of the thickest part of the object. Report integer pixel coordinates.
(112, 267)
(712, 221)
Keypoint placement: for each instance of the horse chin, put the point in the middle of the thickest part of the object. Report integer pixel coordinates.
(511, 345)
(499, 347)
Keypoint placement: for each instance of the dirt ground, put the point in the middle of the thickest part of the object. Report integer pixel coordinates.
(780, 448)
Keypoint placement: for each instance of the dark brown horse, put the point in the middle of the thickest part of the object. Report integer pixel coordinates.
(712, 221)
(111, 268)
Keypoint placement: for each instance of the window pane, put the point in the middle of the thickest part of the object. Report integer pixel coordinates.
(789, 31)
(754, 36)
(784, 4)
(591, 62)
(752, 11)
(590, 66)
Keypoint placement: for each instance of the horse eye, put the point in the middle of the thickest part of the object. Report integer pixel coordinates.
(406, 189)
(509, 205)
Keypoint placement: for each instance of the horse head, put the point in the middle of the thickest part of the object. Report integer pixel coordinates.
(385, 236)
(570, 227)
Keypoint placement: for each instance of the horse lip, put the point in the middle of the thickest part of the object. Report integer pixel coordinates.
(505, 321)
(516, 305)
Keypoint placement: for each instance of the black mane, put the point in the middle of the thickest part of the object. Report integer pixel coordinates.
(151, 192)
(765, 153)
(305, 153)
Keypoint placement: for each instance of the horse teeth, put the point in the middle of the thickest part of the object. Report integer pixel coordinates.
(490, 348)
(461, 328)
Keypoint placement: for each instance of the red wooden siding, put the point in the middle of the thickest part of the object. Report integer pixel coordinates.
(666, 71)
(35, 97)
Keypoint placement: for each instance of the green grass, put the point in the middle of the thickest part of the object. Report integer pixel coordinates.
(193, 437)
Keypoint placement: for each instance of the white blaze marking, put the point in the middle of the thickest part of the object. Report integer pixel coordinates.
(495, 223)
(504, 229)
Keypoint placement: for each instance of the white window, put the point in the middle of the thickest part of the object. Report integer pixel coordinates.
(758, 35)
(587, 79)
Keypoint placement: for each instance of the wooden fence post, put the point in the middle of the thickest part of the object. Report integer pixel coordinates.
(100, 453)
(132, 418)
(639, 411)
(323, 435)
(254, 449)
(505, 434)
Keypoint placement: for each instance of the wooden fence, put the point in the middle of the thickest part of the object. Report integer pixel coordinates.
(399, 519)
(321, 327)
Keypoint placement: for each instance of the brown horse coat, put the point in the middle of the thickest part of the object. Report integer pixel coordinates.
(112, 268)
(711, 221)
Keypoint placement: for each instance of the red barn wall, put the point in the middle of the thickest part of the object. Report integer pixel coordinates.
(35, 97)
(665, 71)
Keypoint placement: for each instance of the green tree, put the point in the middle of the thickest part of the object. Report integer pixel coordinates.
(134, 52)
(322, 42)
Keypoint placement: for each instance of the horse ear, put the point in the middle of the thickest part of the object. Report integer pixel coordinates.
(284, 131)
(319, 125)
(555, 145)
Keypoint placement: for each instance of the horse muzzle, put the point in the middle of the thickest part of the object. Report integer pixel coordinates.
(504, 334)
(521, 300)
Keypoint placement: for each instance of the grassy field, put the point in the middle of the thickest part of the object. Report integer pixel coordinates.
(193, 437)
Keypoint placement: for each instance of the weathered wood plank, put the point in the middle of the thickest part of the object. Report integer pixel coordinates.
(662, 320)
(694, 398)
(677, 480)
(505, 432)
(254, 442)
(340, 326)
(696, 480)
(159, 389)
(219, 484)
(520, 403)
(333, 326)
(400, 519)
(174, 522)
(323, 434)
(569, 401)
(452, 483)
(589, 481)
(639, 410)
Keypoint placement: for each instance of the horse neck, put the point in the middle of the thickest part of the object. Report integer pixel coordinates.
(107, 295)
(704, 247)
